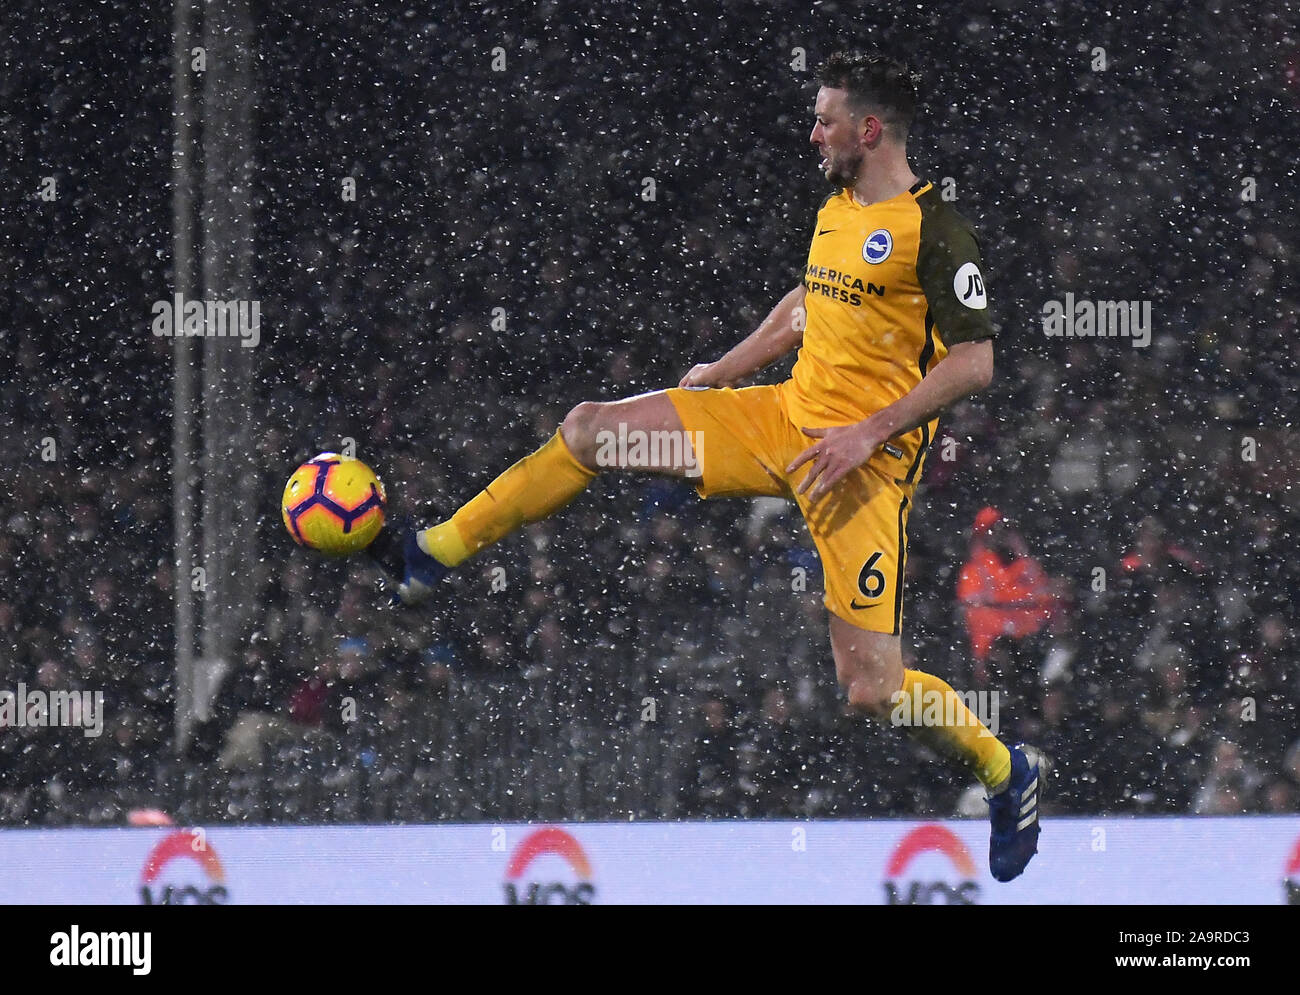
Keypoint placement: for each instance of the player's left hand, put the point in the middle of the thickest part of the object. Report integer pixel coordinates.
(838, 451)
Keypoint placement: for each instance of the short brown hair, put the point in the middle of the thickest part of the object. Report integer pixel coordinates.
(876, 84)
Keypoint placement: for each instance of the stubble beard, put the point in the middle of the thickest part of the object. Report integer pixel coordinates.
(845, 173)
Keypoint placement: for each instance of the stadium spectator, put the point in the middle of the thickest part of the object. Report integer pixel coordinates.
(1004, 592)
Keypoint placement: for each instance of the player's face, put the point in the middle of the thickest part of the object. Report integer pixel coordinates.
(838, 137)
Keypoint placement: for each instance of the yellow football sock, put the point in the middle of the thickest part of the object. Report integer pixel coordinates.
(936, 713)
(538, 485)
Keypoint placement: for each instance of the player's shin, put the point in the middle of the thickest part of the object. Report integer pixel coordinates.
(536, 487)
(933, 712)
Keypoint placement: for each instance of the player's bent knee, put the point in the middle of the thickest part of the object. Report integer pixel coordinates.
(869, 667)
(579, 430)
(870, 696)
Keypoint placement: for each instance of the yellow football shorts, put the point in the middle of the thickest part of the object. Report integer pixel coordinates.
(746, 441)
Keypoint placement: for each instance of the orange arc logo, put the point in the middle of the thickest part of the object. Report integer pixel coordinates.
(185, 843)
(931, 837)
(549, 839)
(1293, 862)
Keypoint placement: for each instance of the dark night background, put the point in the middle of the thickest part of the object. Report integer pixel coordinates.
(522, 190)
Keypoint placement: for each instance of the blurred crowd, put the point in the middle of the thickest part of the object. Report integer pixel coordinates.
(1103, 537)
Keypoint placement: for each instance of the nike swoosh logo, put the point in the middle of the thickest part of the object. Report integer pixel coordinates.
(869, 604)
(827, 231)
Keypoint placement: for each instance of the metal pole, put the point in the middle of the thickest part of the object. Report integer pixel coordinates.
(227, 547)
(182, 366)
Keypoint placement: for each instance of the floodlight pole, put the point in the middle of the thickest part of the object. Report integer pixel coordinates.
(182, 366)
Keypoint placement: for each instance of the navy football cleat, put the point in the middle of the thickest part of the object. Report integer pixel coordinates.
(398, 553)
(1013, 813)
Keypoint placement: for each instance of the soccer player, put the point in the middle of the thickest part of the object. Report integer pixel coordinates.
(892, 325)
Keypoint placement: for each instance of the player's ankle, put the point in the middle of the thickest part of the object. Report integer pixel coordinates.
(444, 543)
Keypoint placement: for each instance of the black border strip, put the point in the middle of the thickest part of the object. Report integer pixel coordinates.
(902, 563)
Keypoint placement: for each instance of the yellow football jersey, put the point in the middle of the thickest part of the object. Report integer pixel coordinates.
(890, 287)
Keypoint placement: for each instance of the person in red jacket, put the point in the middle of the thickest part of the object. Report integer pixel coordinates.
(1002, 589)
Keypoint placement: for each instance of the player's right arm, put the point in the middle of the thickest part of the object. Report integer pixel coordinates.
(780, 333)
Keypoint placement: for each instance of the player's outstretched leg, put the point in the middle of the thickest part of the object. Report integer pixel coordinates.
(535, 488)
(870, 668)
